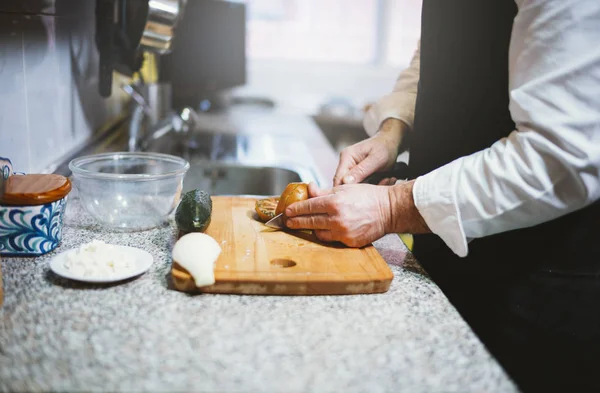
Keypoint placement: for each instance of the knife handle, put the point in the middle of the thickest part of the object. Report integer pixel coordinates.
(399, 171)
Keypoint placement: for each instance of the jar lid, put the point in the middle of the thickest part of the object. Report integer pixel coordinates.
(35, 189)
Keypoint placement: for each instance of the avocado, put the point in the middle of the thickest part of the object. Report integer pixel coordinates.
(194, 211)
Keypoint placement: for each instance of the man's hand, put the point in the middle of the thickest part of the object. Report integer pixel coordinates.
(355, 214)
(375, 154)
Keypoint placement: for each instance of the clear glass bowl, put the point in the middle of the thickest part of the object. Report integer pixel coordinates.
(129, 191)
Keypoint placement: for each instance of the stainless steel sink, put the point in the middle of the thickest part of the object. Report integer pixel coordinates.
(225, 178)
(234, 164)
(239, 164)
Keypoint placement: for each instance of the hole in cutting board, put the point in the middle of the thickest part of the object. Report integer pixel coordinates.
(282, 262)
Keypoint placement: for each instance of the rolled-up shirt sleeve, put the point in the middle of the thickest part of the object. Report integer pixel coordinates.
(550, 165)
(400, 103)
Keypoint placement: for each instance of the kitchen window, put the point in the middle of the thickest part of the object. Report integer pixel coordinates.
(313, 30)
(303, 53)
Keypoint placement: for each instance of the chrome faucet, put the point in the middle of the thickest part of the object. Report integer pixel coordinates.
(155, 124)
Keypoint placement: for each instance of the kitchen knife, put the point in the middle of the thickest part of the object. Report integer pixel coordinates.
(276, 222)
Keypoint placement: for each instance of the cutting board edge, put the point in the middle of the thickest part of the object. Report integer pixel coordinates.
(268, 276)
(183, 282)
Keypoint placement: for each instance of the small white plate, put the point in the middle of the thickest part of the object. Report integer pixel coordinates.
(143, 261)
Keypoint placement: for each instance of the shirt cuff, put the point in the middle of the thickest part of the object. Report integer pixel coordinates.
(435, 199)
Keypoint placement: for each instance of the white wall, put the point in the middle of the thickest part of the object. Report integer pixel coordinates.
(49, 102)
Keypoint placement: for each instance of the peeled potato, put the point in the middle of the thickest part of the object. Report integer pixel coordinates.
(268, 208)
(294, 192)
(265, 208)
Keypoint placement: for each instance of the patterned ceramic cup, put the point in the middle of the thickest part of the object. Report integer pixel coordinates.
(29, 230)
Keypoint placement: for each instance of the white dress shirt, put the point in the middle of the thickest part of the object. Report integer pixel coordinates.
(550, 165)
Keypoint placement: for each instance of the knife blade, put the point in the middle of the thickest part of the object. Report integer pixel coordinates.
(276, 222)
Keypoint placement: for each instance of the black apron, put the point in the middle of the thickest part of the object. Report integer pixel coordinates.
(531, 295)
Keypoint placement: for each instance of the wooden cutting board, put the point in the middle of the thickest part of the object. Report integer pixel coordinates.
(259, 260)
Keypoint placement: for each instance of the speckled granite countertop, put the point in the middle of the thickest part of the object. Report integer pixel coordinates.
(141, 335)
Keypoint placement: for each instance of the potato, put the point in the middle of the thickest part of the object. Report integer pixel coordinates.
(294, 192)
(265, 208)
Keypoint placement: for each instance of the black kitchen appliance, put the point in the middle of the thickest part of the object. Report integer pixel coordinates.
(209, 54)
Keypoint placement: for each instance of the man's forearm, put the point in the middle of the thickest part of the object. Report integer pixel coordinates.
(393, 131)
(393, 126)
(404, 215)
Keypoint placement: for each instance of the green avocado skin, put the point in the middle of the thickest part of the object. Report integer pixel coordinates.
(194, 211)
